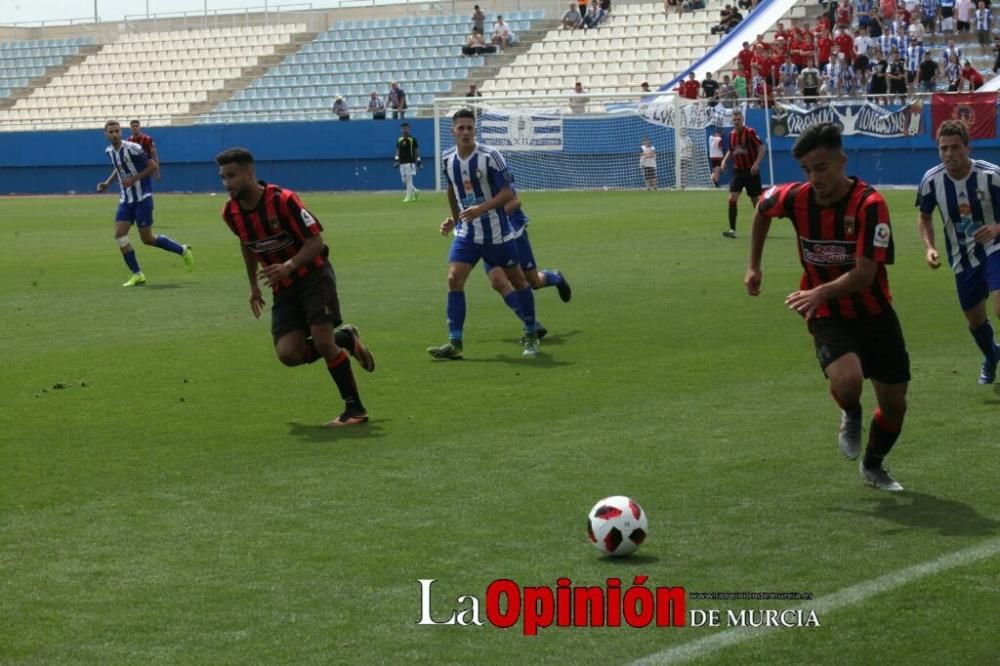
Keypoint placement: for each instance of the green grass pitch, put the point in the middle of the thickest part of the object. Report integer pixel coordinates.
(176, 502)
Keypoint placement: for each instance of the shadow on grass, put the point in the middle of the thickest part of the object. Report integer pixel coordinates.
(166, 285)
(550, 339)
(913, 509)
(629, 560)
(312, 432)
(543, 360)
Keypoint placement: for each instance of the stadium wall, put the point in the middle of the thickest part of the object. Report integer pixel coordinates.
(357, 155)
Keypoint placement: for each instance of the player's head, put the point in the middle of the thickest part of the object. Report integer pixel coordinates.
(113, 132)
(136, 127)
(737, 120)
(405, 128)
(820, 152)
(463, 128)
(236, 171)
(953, 146)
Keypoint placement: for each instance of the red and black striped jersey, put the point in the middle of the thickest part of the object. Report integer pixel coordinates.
(830, 238)
(143, 140)
(276, 230)
(744, 146)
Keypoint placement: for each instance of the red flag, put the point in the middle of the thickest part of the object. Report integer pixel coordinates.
(977, 110)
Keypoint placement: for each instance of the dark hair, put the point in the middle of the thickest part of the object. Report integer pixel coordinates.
(405, 125)
(240, 156)
(954, 128)
(823, 135)
(112, 122)
(134, 122)
(463, 113)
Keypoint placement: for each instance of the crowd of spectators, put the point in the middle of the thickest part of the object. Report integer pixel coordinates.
(394, 103)
(500, 37)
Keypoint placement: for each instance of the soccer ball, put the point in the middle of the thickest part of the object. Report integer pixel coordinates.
(617, 526)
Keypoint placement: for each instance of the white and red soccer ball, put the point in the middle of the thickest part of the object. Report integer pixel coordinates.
(617, 526)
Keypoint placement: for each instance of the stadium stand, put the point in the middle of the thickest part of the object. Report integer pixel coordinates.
(170, 74)
(354, 58)
(23, 63)
(637, 43)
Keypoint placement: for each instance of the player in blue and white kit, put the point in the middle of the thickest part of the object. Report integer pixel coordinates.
(967, 192)
(480, 184)
(133, 168)
(536, 278)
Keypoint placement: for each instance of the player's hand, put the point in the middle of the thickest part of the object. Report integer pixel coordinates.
(804, 302)
(256, 303)
(273, 274)
(471, 213)
(933, 260)
(755, 169)
(446, 226)
(420, 165)
(395, 164)
(129, 182)
(752, 281)
(985, 234)
(102, 186)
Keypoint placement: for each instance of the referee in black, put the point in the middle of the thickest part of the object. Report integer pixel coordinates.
(407, 161)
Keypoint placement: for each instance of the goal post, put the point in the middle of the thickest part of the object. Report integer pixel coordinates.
(590, 142)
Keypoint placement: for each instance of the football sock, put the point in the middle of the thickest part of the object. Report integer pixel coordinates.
(850, 408)
(881, 437)
(344, 339)
(513, 302)
(165, 243)
(732, 216)
(340, 369)
(526, 303)
(551, 279)
(456, 314)
(131, 261)
(984, 339)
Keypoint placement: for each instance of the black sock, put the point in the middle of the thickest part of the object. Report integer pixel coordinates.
(340, 370)
(732, 217)
(880, 441)
(344, 340)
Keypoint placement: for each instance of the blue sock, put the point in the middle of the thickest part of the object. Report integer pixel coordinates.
(131, 261)
(551, 279)
(456, 314)
(512, 302)
(984, 340)
(165, 243)
(526, 304)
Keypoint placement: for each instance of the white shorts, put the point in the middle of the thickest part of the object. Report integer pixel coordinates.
(407, 170)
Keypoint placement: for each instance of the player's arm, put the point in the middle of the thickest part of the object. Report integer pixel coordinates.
(856, 279)
(449, 222)
(103, 185)
(151, 167)
(761, 151)
(416, 152)
(256, 299)
(155, 154)
(758, 234)
(989, 231)
(725, 158)
(311, 248)
(499, 199)
(925, 225)
(395, 158)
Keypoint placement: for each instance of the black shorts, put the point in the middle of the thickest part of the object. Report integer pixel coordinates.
(715, 161)
(648, 172)
(313, 300)
(743, 178)
(947, 12)
(861, 63)
(877, 341)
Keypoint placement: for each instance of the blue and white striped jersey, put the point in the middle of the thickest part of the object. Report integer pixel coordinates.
(477, 179)
(965, 206)
(129, 160)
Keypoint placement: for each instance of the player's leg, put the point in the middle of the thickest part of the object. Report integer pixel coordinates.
(735, 187)
(886, 361)
(526, 306)
(144, 220)
(461, 260)
(540, 279)
(973, 291)
(754, 189)
(835, 351)
(122, 225)
(404, 175)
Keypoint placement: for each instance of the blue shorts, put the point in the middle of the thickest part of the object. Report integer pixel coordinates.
(138, 212)
(524, 254)
(975, 284)
(466, 252)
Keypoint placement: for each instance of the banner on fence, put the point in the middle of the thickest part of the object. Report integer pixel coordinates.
(977, 110)
(854, 119)
(521, 130)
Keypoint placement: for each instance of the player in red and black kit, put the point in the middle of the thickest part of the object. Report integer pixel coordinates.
(845, 242)
(747, 151)
(277, 232)
(147, 143)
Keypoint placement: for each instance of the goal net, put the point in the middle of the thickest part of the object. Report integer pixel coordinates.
(591, 142)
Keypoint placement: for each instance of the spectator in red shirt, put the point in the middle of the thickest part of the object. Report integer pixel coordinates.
(972, 75)
(745, 56)
(762, 60)
(690, 89)
(844, 40)
(823, 46)
(780, 32)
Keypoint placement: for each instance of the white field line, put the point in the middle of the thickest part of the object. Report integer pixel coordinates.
(846, 597)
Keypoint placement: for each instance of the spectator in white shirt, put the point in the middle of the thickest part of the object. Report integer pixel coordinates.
(578, 99)
(501, 34)
(572, 19)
